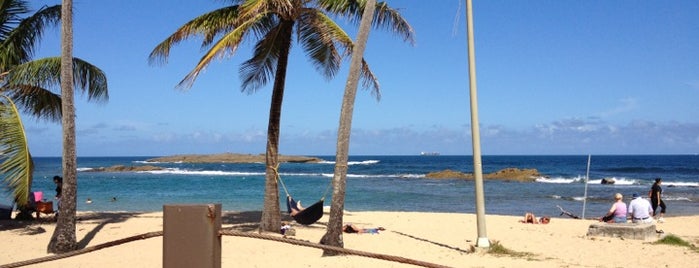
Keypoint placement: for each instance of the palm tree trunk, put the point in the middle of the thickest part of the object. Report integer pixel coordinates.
(63, 239)
(271, 214)
(333, 234)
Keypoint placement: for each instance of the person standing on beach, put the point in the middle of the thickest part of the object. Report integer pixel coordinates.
(640, 210)
(655, 195)
(59, 186)
(58, 180)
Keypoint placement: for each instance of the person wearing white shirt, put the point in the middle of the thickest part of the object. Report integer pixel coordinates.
(640, 210)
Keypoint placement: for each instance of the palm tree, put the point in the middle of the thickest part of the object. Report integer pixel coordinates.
(26, 83)
(63, 238)
(275, 24)
(333, 234)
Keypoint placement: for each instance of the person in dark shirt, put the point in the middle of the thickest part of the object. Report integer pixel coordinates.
(58, 180)
(655, 194)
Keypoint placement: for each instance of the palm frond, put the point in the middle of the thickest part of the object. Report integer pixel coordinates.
(389, 18)
(29, 84)
(227, 45)
(259, 70)
(16, 166)
(317, 34)
(46, 72)
(369, 80)
(10, 16)
(285, 9)
(208, 25)
(20, 42)
(384, 16)
(38, 102)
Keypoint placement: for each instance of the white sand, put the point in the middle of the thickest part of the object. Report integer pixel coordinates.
(440, 238)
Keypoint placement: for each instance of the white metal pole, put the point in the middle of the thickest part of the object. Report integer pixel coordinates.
(587, 178)
(482, 241)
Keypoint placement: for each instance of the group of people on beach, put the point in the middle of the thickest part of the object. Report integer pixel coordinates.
(640, 210)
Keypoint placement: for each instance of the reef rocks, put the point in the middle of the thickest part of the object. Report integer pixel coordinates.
(608, 181)
(122, 168)
(508, 174)
(231, 158)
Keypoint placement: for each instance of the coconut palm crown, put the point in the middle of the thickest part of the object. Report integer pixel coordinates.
(273, 25)
(27, 83)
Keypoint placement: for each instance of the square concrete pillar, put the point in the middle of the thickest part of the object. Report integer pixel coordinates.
(191, 236)
(639, 231)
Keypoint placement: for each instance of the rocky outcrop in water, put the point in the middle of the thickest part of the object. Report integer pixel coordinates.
(209, 158)
(122, 168)
(508, 174)
(231, 158)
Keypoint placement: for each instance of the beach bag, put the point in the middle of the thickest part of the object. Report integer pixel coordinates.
(38, 196)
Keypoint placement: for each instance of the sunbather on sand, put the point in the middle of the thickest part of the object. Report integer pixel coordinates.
(530, 218)
(351, 229)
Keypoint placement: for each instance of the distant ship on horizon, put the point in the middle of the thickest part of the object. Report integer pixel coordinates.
(429, 153)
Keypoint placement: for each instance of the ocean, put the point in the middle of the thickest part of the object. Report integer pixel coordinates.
(386, 183)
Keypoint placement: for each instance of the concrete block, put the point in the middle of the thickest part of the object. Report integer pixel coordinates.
(637, 231)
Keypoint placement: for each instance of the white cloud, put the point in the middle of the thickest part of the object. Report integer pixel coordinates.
(626, 105)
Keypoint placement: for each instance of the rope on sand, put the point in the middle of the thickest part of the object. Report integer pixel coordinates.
(84, 250)
(231, 233)
(332, 248)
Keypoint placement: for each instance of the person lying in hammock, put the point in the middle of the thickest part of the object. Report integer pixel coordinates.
(293, 206)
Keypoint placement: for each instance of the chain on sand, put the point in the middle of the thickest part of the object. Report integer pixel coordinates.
(231, 233)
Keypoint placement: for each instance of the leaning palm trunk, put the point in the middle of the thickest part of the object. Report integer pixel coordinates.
(333, 235)
(271, 217)
(63, 239)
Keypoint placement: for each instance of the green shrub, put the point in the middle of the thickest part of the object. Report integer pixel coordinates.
(497, 249)
(674, 240)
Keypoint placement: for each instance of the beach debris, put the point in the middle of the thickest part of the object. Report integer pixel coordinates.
(567, 213)
(33, 230)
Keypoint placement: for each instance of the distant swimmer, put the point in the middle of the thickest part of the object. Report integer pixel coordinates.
(88, 201)
(114, 199)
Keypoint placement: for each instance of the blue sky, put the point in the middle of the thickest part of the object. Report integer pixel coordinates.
(554, 77)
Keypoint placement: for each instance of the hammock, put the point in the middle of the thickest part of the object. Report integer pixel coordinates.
(308, 215)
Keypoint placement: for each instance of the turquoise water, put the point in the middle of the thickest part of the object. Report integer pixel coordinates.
(386, 183)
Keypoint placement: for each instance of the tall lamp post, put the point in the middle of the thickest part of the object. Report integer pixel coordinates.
(482, 241)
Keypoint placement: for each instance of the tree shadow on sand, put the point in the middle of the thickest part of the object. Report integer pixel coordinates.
(245, 221)
(34, 227)
(249, 221)
(104, 218)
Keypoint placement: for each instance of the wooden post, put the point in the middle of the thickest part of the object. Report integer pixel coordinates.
(191, 236)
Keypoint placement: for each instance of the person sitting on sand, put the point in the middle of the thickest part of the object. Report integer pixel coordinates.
(352, 229)
(640, 210)
(617, 213)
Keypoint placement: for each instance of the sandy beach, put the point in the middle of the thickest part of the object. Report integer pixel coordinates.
(439, 238)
